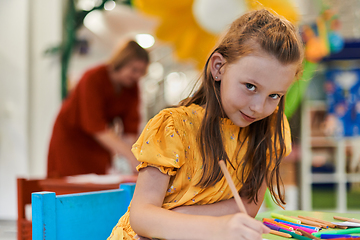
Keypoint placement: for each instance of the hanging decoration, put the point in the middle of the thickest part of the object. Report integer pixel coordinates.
(205, 12)
(322, 37)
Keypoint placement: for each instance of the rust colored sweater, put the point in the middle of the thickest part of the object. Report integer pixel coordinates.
(90, 108)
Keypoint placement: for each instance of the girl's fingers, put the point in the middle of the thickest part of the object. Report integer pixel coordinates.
(252, 234)
(252, 229)
(266, 230)
(256, 225)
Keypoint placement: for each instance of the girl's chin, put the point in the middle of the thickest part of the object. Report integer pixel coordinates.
(241, 123)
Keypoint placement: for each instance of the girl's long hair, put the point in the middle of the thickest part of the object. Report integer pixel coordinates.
(254, 31)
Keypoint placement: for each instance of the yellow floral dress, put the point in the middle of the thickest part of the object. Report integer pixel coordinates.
(168, 142)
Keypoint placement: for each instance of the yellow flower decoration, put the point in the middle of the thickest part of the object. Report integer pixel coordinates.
(178, 25)
(283, 8)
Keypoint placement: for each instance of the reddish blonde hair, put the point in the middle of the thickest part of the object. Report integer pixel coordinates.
(258, 30)
(129, 51)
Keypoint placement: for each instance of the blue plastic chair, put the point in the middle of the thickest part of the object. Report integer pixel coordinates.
(88, 216)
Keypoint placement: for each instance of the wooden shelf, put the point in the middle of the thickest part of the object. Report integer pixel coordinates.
(313, 140)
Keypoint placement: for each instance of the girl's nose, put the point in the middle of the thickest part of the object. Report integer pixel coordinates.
(257, 105)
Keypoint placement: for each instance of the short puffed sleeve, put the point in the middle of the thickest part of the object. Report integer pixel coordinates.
(160, 144)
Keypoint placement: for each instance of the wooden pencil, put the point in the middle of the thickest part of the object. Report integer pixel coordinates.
(278, 224)
(322, 224)
(280, 234)
(310, 223)
(306, 234)
(232, 186)
(341, 227)
(319, 220)
(347, 219)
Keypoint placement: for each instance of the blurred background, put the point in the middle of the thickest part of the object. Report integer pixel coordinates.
(45, 47)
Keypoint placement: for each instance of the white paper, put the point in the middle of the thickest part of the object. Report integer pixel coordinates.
(347, 224)
(99, 179)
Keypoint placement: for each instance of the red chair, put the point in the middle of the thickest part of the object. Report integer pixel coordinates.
(24, 189)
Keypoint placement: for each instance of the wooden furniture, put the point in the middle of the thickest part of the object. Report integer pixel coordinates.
(327, 216)
(60, 186)
(90, 215)
(24, 189)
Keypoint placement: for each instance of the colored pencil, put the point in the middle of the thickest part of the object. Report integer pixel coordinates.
(341, 227)
(286, 218)
(345, 238)
(310, 223)
(319, 220)
(232, 187)
(302, 228)
(294, 235)
(278, 224)
(279, 233)
(345, 231)
(298, 225)
(272, 226)
(347, 219)
(306, 234)
(331, 236)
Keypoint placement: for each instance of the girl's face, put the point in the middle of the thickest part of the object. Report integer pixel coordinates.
(131, 73)
(252, 87)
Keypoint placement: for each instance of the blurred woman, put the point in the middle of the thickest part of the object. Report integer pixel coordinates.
(83, 140)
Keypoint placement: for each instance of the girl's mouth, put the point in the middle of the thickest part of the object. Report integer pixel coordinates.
(247, 118)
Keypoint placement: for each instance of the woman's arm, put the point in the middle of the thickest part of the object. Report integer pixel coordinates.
(117, 145)
(148, 219)
(224, 207)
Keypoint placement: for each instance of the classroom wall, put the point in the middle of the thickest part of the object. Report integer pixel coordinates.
(29, 91)
(44, 79)
(13, 100)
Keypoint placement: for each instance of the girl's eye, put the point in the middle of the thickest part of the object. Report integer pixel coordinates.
(250, 86)
(274, 96)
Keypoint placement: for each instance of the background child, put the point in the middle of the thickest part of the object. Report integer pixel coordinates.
(235, 115)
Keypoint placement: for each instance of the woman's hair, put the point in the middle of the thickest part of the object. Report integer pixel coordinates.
(128, 52)
(255, 31)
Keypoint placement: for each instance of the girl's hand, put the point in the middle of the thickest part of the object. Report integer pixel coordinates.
(240, 226)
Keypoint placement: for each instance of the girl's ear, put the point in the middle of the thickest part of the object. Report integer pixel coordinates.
(216, 63)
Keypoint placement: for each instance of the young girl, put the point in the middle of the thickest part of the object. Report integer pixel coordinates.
(237, 115)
